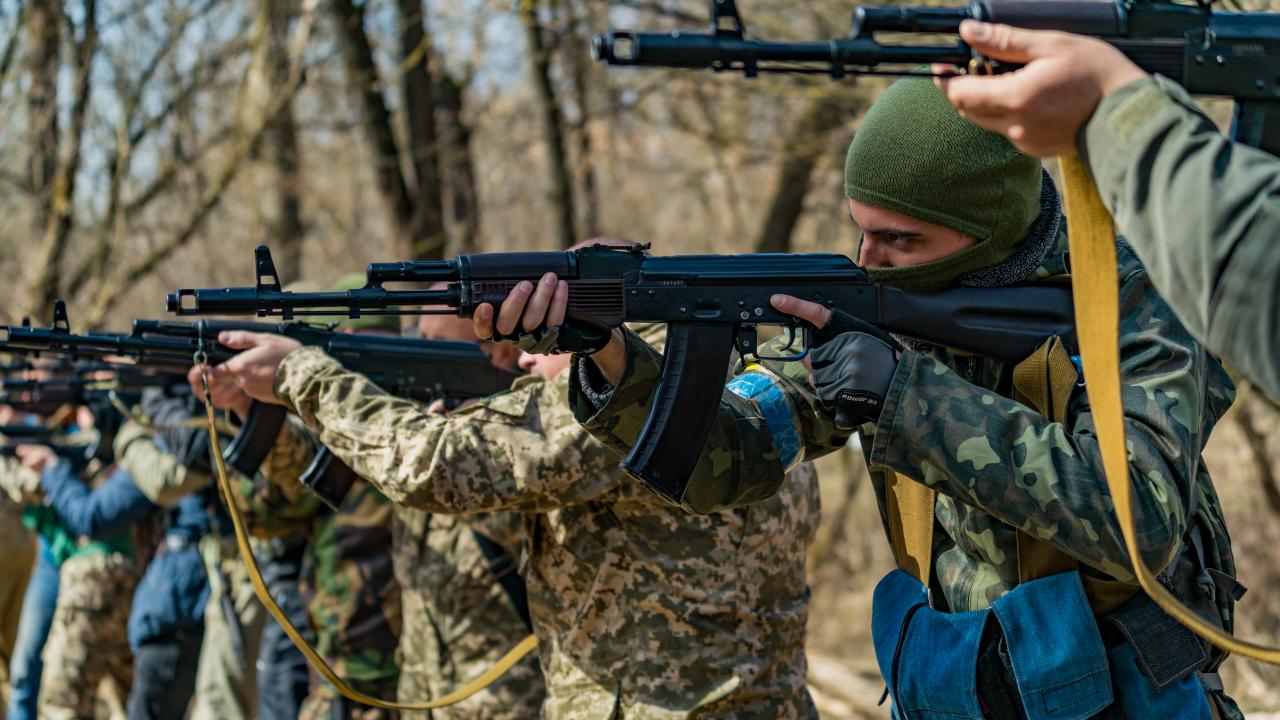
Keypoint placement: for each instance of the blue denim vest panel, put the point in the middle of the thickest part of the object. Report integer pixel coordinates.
(929, 658)
(1139, 699)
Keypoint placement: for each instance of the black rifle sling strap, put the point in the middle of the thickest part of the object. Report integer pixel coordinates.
(503, 567)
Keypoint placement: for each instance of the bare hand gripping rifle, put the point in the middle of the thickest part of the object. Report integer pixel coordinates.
(407, 367)
(712, 304)
(1209, 53)
(423, 370)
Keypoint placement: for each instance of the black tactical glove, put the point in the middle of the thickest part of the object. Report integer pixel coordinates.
(566, 338)
(852, 370)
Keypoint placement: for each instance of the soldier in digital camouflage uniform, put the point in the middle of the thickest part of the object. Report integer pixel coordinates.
(641, 610)
(944, 419)
(458, 619)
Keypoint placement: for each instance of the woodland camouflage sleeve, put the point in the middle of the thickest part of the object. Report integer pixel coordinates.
(767, 423)
(1046, 478)
(517, 450)
(1202, 212)
(157, 474)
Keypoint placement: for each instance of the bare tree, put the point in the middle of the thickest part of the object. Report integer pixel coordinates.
(423, 140)
(561, 188)
(810, 138)
(59, 188)
(281, 141)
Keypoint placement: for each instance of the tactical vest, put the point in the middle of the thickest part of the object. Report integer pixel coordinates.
(1164, 653)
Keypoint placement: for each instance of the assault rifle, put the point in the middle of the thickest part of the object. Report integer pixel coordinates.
(407, 367)
(712, 304)
(78, 455)
(1209, 53)
(38, 432)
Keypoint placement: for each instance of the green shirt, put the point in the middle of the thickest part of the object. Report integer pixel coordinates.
(1202, 212)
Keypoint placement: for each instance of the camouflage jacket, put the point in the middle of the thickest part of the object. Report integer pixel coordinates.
(347, 578)
(641, 609)
(457, 620)
(1201, 212)
(997, 465)
(161, 478)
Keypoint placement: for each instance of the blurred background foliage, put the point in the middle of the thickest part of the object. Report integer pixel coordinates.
(151, 144)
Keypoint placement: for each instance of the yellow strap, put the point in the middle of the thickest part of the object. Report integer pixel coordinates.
(505, 663)
(1096, 288)
(909, 507)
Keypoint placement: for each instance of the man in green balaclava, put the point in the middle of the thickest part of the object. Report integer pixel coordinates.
(987, 473)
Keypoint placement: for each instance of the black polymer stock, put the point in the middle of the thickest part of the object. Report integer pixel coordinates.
(712, 305)
(1228, 54)
(422, 370)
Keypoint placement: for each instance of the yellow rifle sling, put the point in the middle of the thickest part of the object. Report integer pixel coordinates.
(1096, 287)
(505, 663)
(909, 508)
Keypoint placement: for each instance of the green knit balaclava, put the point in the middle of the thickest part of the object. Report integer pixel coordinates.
(916, 155)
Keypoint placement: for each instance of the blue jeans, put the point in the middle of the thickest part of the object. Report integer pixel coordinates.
(33, 629)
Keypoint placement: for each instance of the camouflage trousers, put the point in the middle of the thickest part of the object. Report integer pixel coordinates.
(87, 643)
(517, 695)
(226, 679)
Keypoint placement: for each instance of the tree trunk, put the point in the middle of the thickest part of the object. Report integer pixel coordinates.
(423, 143)
(580, 65)
(375, 118)
(459, 166)
(282, 140)
(808, 141)
(46, 283)
(561, 189)
(43, 27)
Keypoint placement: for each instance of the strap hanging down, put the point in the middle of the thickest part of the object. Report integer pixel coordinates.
(505, 663)
(1096, 286)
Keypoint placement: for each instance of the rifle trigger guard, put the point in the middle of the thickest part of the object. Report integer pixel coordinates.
(790, 346)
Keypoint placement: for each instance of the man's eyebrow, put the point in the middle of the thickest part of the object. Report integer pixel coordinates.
(895, 231)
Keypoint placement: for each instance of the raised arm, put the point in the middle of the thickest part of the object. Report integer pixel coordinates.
(518, 450)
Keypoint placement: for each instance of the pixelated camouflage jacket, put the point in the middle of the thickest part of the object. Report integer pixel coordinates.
(457, 621)
(641, 609)
(997, 465)
(347, 578)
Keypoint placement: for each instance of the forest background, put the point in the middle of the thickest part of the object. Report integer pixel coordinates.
(151, 144)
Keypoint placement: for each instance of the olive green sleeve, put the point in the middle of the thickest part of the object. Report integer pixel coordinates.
(157, 474)
(1203, 214)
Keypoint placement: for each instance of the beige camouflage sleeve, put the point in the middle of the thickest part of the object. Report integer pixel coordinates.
(20, 484)
(517, 450)
(157, 474)
(295, 447)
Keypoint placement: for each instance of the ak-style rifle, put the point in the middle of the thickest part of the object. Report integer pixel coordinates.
(712, 304)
